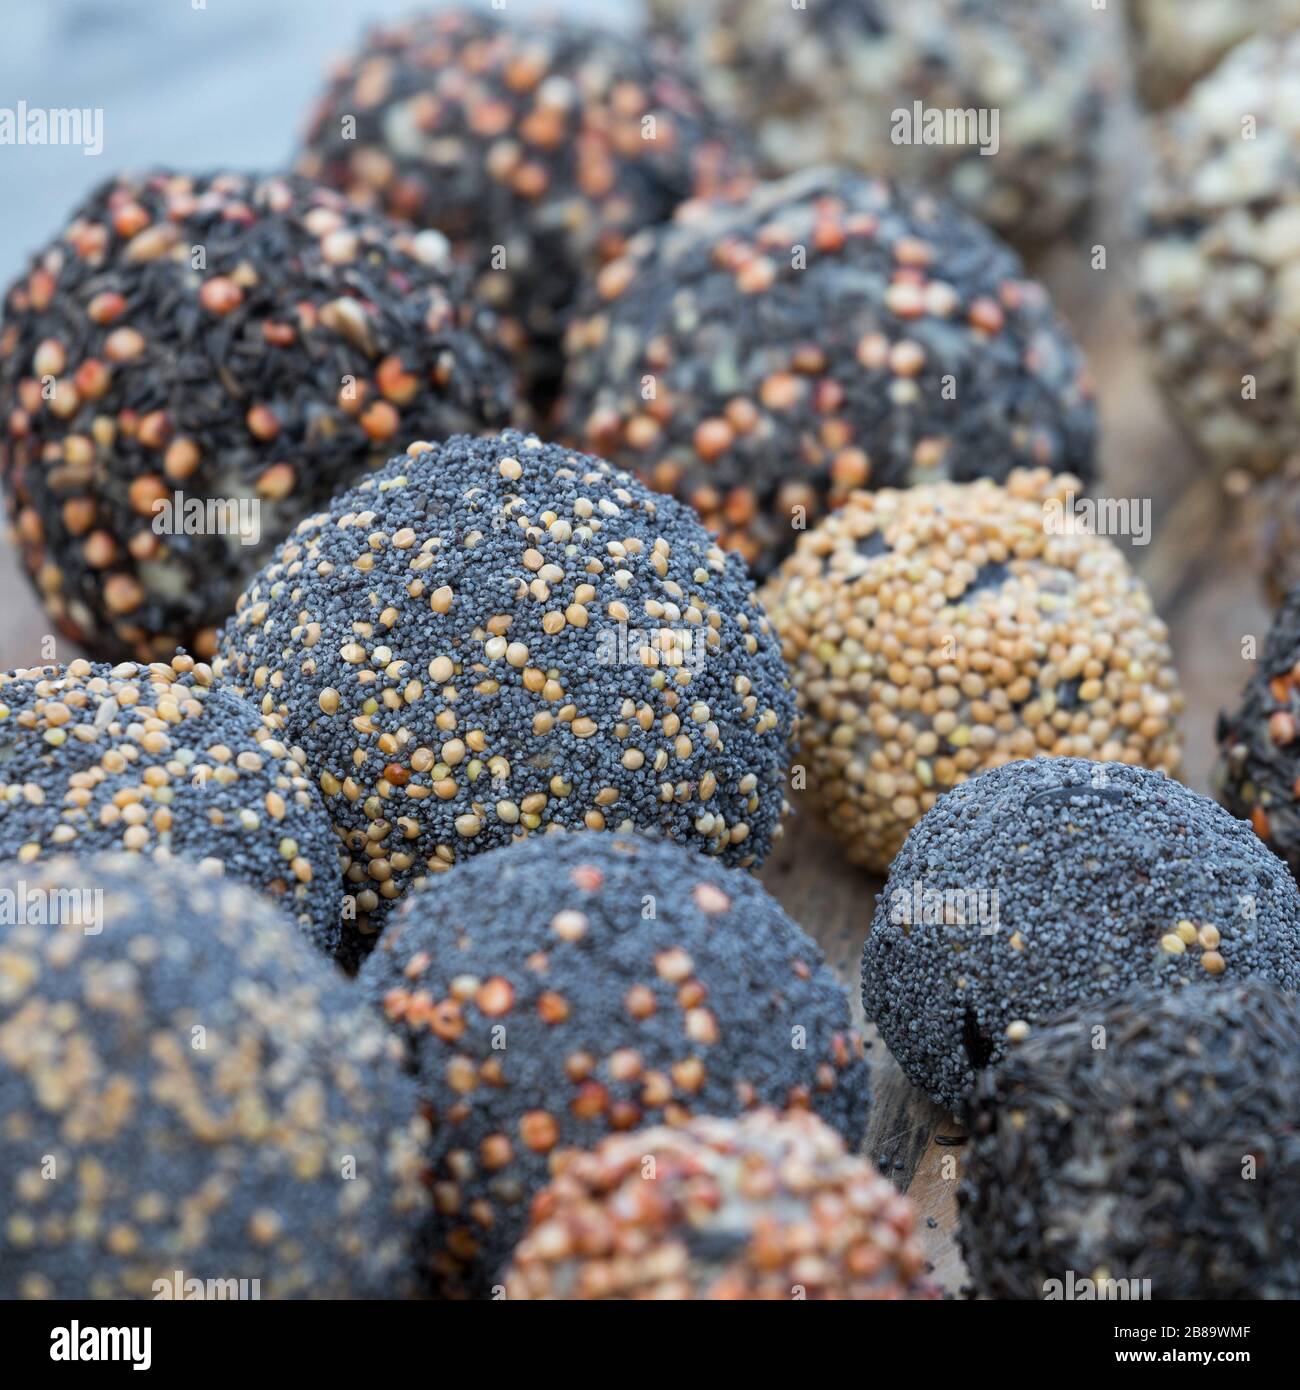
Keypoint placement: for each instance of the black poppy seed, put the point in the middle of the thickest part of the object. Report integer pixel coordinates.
(889, 340)
(159, 761)
(475, 707)
(1003, 909)
(185, 1085)
(253, 385)
(552, 992)
(1153, 1138)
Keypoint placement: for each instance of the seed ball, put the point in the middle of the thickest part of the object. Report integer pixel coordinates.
(159, 760)
(558, 990)
(763, 1207)
(1219, 275)
(1176, 42)
(1151, 1138)
(537, 147)
(838, 81)
(1258, 771)
(549, 615)
(938, 631)
(182, 1083)
(764, 358)
(1059, 882)
(163, 422)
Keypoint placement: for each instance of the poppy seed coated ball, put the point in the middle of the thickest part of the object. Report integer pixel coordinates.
(189, 1092)
(1258, 770)
(195, 364)
(1219, 273)
(1058, 882)
(945, 629)
(764, 1207)
(1154, 1139)
(1010, 94)
(496, 636)
(159, 761)
(555, 991)
(762, 358)
(537, 146)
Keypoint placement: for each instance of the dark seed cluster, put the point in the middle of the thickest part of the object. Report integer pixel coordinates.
(494, 637)
(1058, 882)
(562, 989)
(158, 761)
(191, 1089)
(763, 358)
(765, 1207)
(246, 344)
(941, 630)
(1219, 276)
(825, 81)
(1258, 773)
(537, 147)
(1154, 1138)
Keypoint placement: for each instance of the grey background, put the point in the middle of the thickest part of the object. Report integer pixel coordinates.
(228, 85)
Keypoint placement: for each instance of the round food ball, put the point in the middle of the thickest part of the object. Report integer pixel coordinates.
(945, 629)
(185, 1086)
(763, 358)
(1178, 41)
(1058, 882)
(1152, 1139)
(537, 146)
(198, 362)
(557, 990)
(1219, 276)
(841, 81)
(1259, 743)
(496, 636)
(158, 761)
(763, 1207)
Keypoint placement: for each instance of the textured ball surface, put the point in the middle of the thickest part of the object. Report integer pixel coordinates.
(764, 1207)
(496, 636)
(537, 147)
(183, 1082)
(1169, 1155)
(559, 990)
(826, 333)
(157, 760)
(1219, 277)
(939, 631)
(1179, 41)
(197, 363)
(1259, 742)
(826, 81)
(1058, 882)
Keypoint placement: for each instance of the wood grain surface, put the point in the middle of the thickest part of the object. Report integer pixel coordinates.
(1201, 566)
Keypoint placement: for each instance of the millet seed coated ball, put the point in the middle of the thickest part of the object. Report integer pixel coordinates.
(840, 80)
(558, 990)
(1219, 276)
(198, 362)
(1166, 1149)
(763, 358)
(1258, 772)
(952, 627)
(1178, 41)
(496, 636)
(763, 1207)
(185, 1085)
(1058, 882)
(538, 147)
(158, 761)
